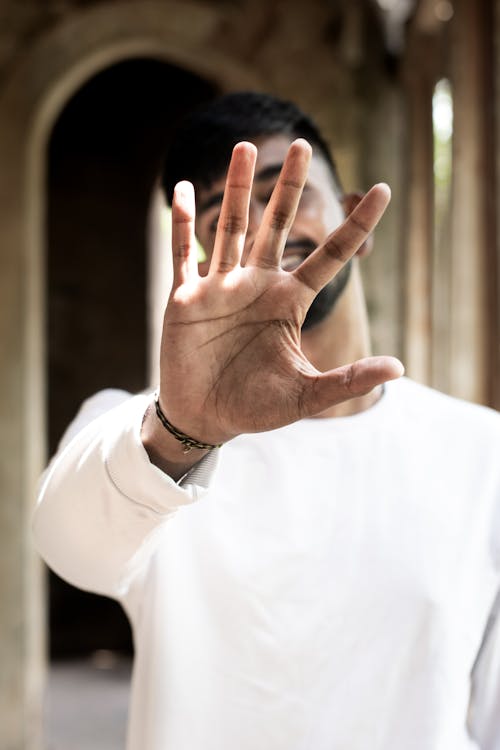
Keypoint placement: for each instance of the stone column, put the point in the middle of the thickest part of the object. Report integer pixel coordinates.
(472, 318)
(21, 458)
(495, 202)
(419, 225)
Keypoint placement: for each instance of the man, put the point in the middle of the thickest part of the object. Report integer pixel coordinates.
(334, 587)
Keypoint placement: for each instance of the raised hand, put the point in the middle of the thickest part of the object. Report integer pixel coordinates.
(231, 360)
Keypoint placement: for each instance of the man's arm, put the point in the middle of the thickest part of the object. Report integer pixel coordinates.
(231, 360)
(102, 501)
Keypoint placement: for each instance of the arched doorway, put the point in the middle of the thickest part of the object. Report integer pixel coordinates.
(104, 154)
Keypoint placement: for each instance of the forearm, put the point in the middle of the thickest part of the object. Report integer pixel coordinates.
(100, 502)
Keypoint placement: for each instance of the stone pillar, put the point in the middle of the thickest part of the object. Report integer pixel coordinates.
(495, 202)
(382, 160)
(472, 320)
(419, 225)
(21, 458)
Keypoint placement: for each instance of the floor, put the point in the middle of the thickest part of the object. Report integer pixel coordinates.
(87, 700)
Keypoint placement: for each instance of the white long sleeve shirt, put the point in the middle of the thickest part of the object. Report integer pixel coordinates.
(333, 589)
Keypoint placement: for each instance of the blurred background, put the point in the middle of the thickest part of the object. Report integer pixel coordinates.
(406, 91)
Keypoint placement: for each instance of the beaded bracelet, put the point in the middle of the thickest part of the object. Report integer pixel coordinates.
(188, 442)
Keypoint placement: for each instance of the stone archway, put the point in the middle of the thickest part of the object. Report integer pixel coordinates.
(37, 90)
(103, 160)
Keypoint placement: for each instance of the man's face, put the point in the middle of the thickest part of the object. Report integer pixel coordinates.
(318, 214)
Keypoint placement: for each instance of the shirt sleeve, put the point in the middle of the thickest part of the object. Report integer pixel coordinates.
(484, 710)
(102, 503)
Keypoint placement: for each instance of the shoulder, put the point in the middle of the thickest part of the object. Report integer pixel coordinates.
(428, 402)
(437, 413)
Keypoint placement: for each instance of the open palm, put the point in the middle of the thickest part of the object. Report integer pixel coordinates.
(231, 360)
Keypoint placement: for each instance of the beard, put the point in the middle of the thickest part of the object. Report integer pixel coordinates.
(326, 299)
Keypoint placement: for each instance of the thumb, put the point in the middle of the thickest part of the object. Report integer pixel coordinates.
(349, 381)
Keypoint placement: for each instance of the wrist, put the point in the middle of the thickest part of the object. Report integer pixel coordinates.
(188, 441)
(164, 450)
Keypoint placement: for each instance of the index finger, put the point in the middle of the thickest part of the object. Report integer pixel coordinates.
(339, 247)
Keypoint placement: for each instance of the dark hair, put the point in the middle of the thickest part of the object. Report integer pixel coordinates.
(201, 149)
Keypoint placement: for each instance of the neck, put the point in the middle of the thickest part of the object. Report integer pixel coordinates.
(342, 338)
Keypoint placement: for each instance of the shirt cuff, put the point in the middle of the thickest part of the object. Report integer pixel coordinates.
(132, 472)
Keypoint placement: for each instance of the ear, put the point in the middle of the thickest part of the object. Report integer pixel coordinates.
(349, 203)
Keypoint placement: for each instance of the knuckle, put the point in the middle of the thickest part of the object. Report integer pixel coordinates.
(233, 225)
(180, 217)
(334, 249)
(279, 219)
(359, 224)
(224, 266)
(295, 184)
(348, 377)
(267, 262)
(182, 250)
(234, 185)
